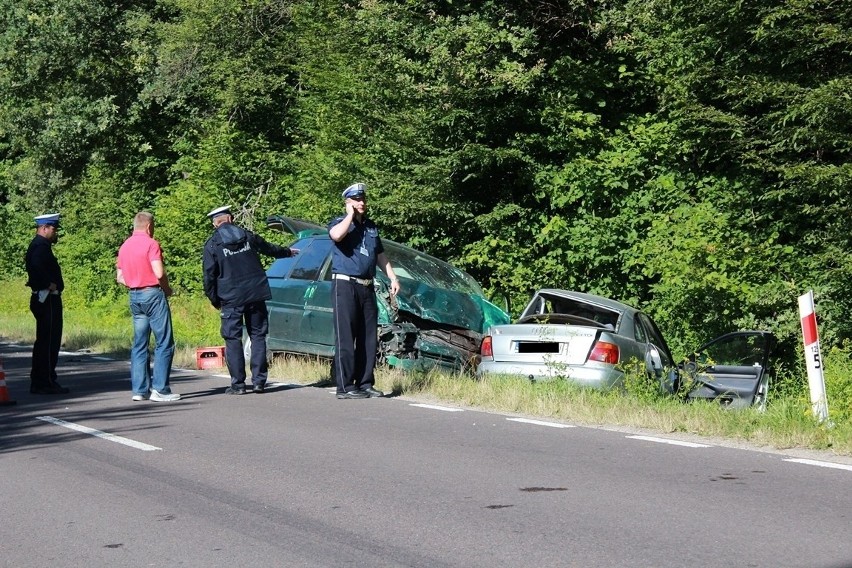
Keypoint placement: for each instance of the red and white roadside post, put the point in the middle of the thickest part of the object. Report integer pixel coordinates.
(813, 358)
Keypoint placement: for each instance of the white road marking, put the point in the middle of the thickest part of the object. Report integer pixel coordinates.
(821, 464)
(672, 442)
(433, 407)
(99, 434)
(541, 423)
(103, 358)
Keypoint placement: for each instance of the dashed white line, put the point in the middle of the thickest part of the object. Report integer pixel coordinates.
(99, 434)
(667, 441)
(541, 423)
(821, 463)
(433, 407)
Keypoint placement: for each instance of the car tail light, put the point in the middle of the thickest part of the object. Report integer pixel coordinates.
(485, 348)
(604, 352)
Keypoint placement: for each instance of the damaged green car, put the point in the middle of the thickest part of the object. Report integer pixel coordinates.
(438, 318)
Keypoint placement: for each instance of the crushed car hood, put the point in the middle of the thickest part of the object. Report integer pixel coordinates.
(449, 307)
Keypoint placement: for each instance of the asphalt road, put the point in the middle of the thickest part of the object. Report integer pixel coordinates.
(295, 477)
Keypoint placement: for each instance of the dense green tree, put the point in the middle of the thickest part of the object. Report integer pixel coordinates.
(761, 92)
(69, 78)
(224, 68)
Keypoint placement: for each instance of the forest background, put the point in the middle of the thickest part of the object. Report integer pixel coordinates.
(691, 158)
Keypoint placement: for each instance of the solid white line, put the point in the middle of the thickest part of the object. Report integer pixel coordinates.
(667, 441)
(433, 407)
(99, 434)
(103, 358)
(541, 423)
(821, 464)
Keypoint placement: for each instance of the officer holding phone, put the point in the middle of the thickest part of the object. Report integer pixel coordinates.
(358, 250)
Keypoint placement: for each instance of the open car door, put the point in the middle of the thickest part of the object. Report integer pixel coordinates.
(733, 369)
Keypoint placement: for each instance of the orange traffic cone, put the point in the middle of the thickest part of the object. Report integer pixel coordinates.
(4, 392)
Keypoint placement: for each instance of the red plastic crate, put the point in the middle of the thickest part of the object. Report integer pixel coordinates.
(210, 357)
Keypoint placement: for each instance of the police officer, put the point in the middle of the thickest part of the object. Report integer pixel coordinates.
(235, 283)
(358, 250)
(45, 280)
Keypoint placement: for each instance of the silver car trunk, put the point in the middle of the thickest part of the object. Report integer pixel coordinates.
(567, 344)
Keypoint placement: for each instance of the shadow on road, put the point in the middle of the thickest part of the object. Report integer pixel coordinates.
(100, 389)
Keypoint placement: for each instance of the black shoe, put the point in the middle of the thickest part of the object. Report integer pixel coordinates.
(49, 389)
(352, 394)
(233, 390)
(372, 393)
(258, 388)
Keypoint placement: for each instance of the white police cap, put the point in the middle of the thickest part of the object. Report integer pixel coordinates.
(224, 210)
(355, 190)
(47, 219)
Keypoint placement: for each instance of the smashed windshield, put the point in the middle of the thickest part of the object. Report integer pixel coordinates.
(414, 265)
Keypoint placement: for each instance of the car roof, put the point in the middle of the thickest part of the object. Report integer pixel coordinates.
(590, 299)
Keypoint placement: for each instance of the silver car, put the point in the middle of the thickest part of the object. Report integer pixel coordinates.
(575, 336)
(587, 339)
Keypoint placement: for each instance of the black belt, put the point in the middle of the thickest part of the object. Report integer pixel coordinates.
(146, 287)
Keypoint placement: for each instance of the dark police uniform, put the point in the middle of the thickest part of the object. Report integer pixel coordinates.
(46, 307)
(353, 266)
(235, 282)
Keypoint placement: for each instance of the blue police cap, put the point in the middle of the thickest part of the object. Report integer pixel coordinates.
(47, 219)
(355, 190)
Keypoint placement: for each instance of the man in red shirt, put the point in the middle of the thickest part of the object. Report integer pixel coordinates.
(140, 268)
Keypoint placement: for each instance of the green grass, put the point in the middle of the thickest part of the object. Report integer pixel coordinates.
(105, 326)
(786, 423)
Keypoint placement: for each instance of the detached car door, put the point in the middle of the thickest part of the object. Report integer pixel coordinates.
(732, 369)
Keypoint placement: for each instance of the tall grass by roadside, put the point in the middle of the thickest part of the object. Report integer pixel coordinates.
(787, 422)
(105, 326)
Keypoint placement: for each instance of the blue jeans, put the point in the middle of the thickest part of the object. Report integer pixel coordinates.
(150, 311)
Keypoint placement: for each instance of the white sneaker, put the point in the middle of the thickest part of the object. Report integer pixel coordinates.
(138, 397)
(162, 397)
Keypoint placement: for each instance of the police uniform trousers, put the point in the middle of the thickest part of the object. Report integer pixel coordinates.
(355, 335)
(255, 317)
(48, 316)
